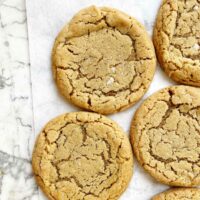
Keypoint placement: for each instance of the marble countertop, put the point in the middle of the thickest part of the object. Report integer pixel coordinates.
(16, 129)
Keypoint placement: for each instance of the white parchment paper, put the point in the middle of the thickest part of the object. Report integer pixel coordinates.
(45, 20)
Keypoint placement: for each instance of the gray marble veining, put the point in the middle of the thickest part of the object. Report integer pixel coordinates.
(16, 180)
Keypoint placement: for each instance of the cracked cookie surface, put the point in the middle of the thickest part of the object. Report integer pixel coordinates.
(82, 156)
(103, 60)
(165, 134)
(177, 40)
(179, 194)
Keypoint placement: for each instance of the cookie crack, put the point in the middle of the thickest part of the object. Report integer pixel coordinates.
(112, 92)
(168, 161)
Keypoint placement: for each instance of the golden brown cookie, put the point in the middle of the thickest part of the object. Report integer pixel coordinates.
(165, 134)
(82, 156)
(177, 40)
(103, 60)
(179, 194)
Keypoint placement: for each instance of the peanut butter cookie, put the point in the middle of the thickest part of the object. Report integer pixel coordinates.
(179, 194)
(103, 60)
(165, 134)
(177, 40)
(82, 156)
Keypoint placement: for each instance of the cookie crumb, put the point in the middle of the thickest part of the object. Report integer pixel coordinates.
(196, 7)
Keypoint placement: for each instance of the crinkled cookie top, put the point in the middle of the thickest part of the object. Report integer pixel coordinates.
(82, 156)
(103, 60)
(177, 40)
(179, 194)
(165, 135)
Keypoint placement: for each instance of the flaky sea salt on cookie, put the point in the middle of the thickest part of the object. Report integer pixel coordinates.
(82, 155)
(103, 60)
(165, 134)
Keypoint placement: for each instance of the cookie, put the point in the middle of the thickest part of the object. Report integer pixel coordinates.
(103, 60)
(177, 40)
(82, 156)
(179, 194)
(165, 134)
